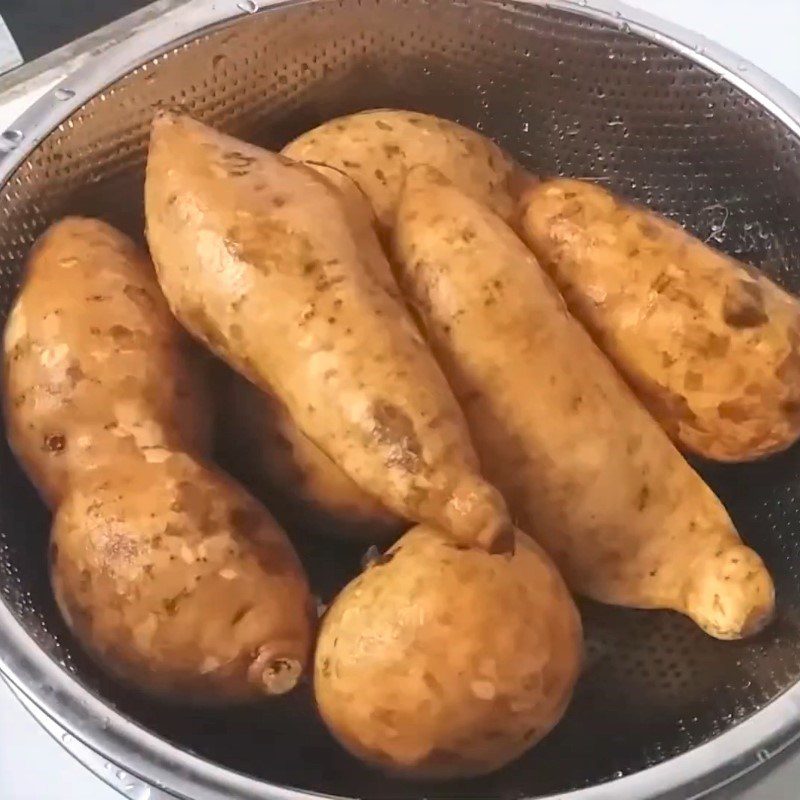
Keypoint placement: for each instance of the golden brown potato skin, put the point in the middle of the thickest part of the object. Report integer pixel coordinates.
(95, 365)
(167, 571)
(181, 582)
(277, 460)
(259, 259)
(583, 466)
(441, 661)
(377, 147)
(710, 346)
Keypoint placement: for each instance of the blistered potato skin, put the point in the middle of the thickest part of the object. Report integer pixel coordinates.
(441, 661)
(377, 147)
(167, 571)
(258, 258)
(585, 469)
(277, 460)
(711, 346)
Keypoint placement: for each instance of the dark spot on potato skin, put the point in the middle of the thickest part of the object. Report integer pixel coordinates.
(55, 442)
(141, 297)
(239, 615)
(649, 229)
(791, 407)
(245, 522)
(383, 560)
(733, 411)
(74, 373)
(171, 604)
(743, 305)
(394, 428)
(120, 334)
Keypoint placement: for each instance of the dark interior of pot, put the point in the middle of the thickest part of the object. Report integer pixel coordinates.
(565, 94)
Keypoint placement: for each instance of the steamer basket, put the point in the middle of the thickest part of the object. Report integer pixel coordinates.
(600, 92)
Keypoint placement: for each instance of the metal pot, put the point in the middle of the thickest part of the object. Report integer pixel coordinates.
(589, 89)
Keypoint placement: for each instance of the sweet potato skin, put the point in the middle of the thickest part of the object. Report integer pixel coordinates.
(170, 575)
(259, 259)
(711, 346)
(585, 469)
(275, 459)
(376, 148)
(441, 661)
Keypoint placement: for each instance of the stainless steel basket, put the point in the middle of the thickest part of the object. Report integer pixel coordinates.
(587, 89)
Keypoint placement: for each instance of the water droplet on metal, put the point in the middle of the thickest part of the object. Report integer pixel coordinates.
(583, 3)
(526, 127)
(137, 791)
(62, 93)
(66, 739)
(625, 28)
(122, 775)
(10, 139)
(742, 66)
(762, 756)
(250, 6)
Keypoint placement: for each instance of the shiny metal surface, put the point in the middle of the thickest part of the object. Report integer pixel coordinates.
(592, 90)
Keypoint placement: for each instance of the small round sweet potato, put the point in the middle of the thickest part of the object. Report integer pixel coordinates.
(376, 148)
(441, 661)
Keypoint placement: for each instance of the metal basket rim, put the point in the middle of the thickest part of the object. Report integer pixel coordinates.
(64, 700)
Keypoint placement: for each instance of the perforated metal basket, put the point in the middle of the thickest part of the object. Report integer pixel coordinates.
(596, 91)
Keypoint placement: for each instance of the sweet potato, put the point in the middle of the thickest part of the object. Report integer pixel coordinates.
(169, 573)
(258, 257)
(584, 467)
(442, 662)
(376, 148)
(711, 346)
